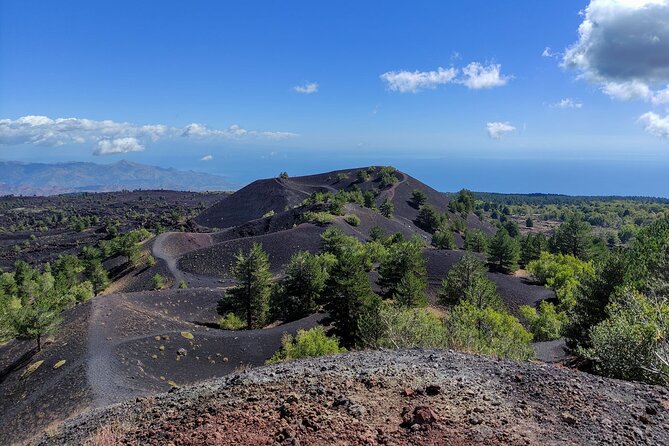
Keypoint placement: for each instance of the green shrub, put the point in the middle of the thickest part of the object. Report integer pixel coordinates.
(444, 239)
(488, 331)
(309, 343)
(352, 219)
(320, 218)
(231, 322)
(341, 176)
(387, 176)
(405, 328)
(632, 343)
(546, 324)
(387, 208)
(150, 261)
(183, 284)
(268, 214)
(563, 273)
(362, 176)
(158, 281)
(476, 241)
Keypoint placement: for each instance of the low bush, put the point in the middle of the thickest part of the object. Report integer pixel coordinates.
(309, 343)
(320, 218)
(231, 322)
(352, 220)
(546, 324)
(158, 281)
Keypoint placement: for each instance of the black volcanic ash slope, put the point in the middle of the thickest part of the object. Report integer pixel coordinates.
(279, 195)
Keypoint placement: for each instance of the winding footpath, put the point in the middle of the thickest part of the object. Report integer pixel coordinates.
(168, 247)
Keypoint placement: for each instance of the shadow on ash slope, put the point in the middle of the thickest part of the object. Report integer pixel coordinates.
(390, 397)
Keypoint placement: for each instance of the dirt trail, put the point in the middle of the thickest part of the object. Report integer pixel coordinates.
(169, 246)
(291, 185)
(104, 377)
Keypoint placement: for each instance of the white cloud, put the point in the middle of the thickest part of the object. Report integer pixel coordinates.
(118, 145)
(567, 103)
(547, 52)
(110, 137)
(479, 76)
(627, 91)
(414, 81)
(624, 46)
(307, 88)
(496, 130)
(661, 96)
(655, 124)
(474, 76)
(207, 158)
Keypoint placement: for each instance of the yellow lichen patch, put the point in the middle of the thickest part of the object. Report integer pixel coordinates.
(172, 383)
(187, 335)
(59, 364)
(31, 369)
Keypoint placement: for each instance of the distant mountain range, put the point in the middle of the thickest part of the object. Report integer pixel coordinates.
(19, 178)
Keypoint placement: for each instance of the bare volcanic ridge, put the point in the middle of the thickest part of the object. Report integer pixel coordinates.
(388, 397)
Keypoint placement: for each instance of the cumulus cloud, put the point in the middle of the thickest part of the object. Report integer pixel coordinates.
(414, 81)
(478, 76)
(567, 103)
(110, 137)
(118, 145)
(547, 52)
(655, 124)
(307, 88)
(623, 40)
(623, 45)
(474, 76)
(496, 130)
(207, 158)
(627, 91)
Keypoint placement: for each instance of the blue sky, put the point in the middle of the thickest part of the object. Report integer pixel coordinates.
(219, 64)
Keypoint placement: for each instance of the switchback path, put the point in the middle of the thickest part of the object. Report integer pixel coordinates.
(169, 246)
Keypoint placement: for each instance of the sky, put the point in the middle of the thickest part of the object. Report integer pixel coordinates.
(511, 96)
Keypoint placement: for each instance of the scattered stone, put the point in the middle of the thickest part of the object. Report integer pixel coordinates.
(421, 415)
(182, 352)
(31, 369)
(59, 364)
(568, 418)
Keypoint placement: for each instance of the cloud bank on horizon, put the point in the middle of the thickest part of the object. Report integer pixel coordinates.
(110, 137)
(623, 47)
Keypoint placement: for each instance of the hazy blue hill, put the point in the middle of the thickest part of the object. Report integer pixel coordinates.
(46, 179)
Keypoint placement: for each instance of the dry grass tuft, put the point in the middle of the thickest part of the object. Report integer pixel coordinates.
(106, 435)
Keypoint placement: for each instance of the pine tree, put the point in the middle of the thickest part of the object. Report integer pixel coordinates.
(387, 208)
(250, 297)
(504, 251)
(467, 281)
(531, 247)
(350, 296)
(418, 198)
(574, 237)
(301, 289)
(403, 273)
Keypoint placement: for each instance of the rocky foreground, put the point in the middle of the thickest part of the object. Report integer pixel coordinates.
(387, 397)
